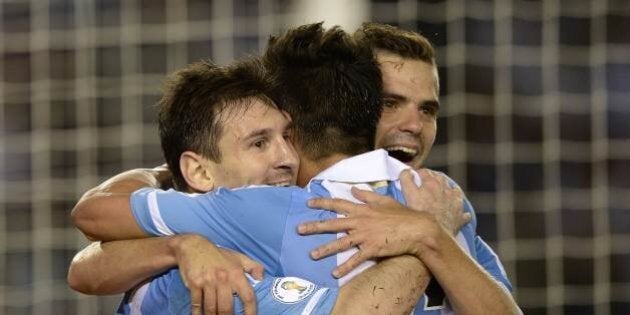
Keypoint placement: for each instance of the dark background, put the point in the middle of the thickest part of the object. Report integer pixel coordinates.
(534, 126)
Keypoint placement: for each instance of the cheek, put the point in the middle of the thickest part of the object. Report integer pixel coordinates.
(258, 167)
(385, 125)
(428, 136)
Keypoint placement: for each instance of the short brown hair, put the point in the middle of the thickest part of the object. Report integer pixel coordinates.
(330, 85)
(406, 44)
(193, 102)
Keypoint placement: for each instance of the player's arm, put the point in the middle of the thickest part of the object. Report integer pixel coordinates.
(384, 228)
(390, 287)
(393, 286)
(104, 213)
(206, 269)
(472, 287)
(97, 268)
(372, 292)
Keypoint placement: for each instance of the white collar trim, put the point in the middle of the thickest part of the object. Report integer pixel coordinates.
(363, 169)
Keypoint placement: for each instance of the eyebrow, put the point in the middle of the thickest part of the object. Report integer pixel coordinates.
(264, 132)
(257, 133)
(399, 97)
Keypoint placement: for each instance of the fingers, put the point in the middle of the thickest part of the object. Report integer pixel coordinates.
(334, 247)
(224, 294)
(256, 270)
(209, 300)
(195, 301)
(326, 226)
(369, 197)
(251, 266)
(350, 264)
(407, 184)
(245, 292)
(337, 205)
(466, 217)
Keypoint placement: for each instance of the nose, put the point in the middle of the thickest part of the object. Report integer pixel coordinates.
(287, 156)
(410, 120)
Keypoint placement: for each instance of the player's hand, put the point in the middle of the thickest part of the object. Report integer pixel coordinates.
(383, 227)
(379, 228)
(212, 275)
(437, 197)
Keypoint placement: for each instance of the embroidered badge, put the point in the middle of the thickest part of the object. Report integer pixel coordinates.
(290, 290)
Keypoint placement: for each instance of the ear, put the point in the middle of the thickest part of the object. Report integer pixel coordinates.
(195, 170)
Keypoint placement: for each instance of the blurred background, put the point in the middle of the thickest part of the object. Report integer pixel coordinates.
(534, 126)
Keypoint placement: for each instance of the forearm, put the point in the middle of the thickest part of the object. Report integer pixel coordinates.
(393, 286)
(469, 289)
(106, 217)
(103, 213)
(118, 266)
(132, 180)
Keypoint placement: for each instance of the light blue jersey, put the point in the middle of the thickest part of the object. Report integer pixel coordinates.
(167, 294)
(261, 222)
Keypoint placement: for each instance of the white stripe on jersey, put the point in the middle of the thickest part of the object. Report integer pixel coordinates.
(156, 217)
(313, 301)
(135, 306)
(461, 240)
(342, 190)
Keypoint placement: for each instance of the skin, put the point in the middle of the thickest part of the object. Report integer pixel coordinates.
(255, 148)
(226, 276)
(258, 135)
(400, 280)
(410, 94)
(409, 120)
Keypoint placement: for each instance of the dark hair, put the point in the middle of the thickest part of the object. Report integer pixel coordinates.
(401, 42)
(194, 101)
(330, 85)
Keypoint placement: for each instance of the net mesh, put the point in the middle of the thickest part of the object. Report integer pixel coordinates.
(533, 126)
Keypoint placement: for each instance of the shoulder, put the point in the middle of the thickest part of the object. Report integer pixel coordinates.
(257, 191)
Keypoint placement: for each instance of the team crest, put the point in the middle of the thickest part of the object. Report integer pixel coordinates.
(290, 290)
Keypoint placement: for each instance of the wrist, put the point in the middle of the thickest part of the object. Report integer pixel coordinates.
(185, 244)
(429, 235)
(176, 245)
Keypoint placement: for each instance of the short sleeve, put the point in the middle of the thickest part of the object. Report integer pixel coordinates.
(489, 260)
(248, 220)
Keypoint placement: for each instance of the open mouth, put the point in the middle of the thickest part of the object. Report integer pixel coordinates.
(402, 154)
(281, 184)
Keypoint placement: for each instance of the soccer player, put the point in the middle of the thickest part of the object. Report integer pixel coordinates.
(248, 134)
(407, 131)
(325, 140)
(218, 128)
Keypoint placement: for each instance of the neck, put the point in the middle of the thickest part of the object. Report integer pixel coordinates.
(309, 168)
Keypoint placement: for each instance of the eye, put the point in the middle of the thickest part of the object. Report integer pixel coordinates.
(429, 110)
(260, 143)
(390, 103)
(287, 134)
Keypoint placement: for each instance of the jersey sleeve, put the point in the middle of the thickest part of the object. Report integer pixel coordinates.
(485, 256)
(248, 220)
(489, 260)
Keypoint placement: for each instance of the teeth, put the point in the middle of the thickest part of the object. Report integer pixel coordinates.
(403, 149)
(283, 184)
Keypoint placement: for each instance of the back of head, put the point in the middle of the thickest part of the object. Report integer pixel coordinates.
(195, 100)
(406, 44)
(331, 87)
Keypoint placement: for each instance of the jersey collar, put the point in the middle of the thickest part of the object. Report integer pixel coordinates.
(368, 167)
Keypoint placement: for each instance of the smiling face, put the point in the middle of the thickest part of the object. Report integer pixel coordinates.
(255, 148)
(409, 120)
